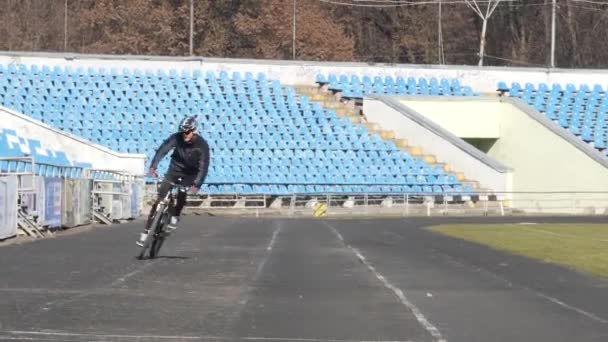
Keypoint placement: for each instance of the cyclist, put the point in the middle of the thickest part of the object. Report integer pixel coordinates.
(189, 161)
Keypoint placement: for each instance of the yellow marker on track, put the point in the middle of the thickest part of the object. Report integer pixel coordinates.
(320, 210)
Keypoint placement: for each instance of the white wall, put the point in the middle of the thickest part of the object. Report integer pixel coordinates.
(438, 144)
(542, 159)
(482, 79)
(76, 149)
(553, 171)
(465, 119)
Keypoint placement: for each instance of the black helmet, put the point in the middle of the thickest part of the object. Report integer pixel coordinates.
(187, 124)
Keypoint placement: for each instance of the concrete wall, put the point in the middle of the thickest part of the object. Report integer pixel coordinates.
(552, 170)
(483, 79)
(548, 159)
(447, 147)
(457, 116)
(76, 149)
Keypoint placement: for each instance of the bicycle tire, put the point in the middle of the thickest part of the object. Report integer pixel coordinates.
(159, 238)
(155, 222)
(156, 245)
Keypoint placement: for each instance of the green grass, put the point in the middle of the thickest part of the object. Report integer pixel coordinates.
(583, 247)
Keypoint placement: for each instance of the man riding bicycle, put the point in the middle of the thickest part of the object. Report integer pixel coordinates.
(189, 161)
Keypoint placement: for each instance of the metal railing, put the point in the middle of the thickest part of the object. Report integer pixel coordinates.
(408, 204)
(112, 193)
(29, 166)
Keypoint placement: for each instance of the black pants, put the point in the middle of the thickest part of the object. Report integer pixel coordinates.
(164, 188)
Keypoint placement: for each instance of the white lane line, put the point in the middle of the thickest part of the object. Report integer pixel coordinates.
(130, 274)
(566, 236)
(269, 248)
(37, 335)
(510, 284)
(274, 238)
(247, 286)
(573, 308)
(398, 292)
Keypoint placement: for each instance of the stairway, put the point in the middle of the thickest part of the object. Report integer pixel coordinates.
(354, 113)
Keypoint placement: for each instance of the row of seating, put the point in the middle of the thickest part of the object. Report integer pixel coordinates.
(354, 86)
(280, 178)
(254, 144)
(257, 139)
(22, 70)
(374, 159)
(543, 88)
(331, 169)
(243, 92)
(582, 110)
(199, 89)
(285, 189)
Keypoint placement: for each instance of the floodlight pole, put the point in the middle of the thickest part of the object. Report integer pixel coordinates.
(191, 24)
(293, 33)
(65, 25)
(491, 6)
(440, 36)
(553, 34)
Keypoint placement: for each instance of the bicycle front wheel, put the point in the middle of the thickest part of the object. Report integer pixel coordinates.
(156, 245)
(154, 227)
(159, 235)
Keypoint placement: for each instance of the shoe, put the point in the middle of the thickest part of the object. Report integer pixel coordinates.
(172, 224)
(142, 239)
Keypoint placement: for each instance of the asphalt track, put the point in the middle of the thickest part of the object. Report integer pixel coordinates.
(241, 279)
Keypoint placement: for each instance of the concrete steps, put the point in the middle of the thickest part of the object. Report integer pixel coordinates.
(354, 113)
(330, 101)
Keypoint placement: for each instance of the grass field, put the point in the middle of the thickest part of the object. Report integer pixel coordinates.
(583, 247)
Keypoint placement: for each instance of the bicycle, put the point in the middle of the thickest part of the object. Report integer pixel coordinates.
(157, 232)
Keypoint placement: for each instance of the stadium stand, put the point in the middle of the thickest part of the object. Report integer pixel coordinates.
(264, 137)
(582, 110)
(355, 86)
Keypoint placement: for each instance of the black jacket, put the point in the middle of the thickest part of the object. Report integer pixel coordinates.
(187, 159)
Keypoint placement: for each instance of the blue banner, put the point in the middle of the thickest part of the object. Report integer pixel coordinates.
(53, 190)
(40, 200)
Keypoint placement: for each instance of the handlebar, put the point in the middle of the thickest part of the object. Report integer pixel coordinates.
(160, 179)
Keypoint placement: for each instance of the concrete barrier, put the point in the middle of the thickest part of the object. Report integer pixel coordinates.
(76, 202)
(8, 206)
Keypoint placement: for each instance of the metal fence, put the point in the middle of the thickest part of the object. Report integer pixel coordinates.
(29, 166)
(115, 195)
(77, 202)
(8, 206)
(406, 204)
(36, 198)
